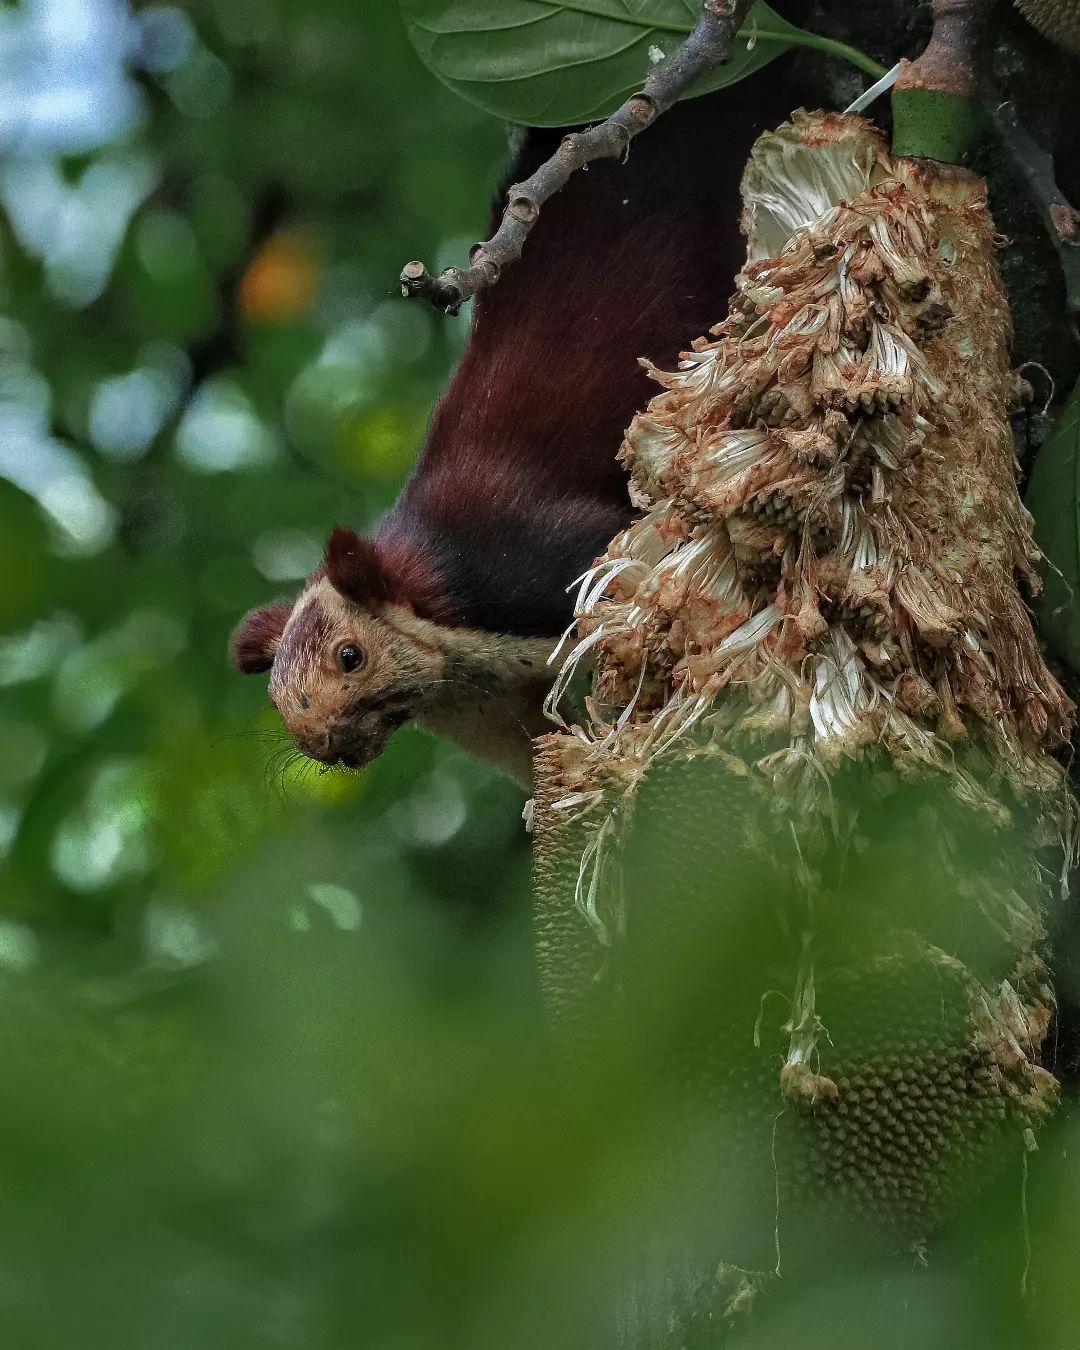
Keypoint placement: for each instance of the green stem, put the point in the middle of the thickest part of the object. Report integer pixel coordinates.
(934, 124)
(799, 38)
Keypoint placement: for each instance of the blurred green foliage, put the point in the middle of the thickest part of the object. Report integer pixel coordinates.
(191, 411)
(274, 1072)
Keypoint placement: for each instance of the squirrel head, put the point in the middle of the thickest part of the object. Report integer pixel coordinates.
(354, 656)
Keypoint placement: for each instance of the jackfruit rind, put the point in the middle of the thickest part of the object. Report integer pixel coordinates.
(1058, 20)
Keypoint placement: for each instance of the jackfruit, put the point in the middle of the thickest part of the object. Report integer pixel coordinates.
(802, 852)
(1058, 20)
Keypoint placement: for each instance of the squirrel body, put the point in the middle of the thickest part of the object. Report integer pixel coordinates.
(447, 615)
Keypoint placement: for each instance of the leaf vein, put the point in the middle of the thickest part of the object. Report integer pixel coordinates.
(546, 72)
(555, 8)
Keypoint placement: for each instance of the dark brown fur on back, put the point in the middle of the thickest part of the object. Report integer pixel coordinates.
(517, 488)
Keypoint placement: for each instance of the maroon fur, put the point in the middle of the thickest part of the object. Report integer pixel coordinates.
(517, 488)
(257, 636)
(375, 573)
(354, 567)
(309, 633)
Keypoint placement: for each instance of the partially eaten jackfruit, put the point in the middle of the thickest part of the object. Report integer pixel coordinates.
(813, 822)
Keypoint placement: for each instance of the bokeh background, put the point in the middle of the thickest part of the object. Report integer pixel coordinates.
(273, 1070)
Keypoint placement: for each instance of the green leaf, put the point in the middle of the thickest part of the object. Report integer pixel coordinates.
(1053, 498)
(555, 62)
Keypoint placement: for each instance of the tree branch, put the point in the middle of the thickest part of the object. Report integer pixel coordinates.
(706, 46)
(1061, 220)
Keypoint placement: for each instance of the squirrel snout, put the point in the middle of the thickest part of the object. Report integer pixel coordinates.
(346, 742)
(315, 744)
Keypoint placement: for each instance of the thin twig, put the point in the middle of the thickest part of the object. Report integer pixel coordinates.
(707, 45)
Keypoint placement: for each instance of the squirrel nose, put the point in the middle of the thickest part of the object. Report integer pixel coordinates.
(339, 741)
(317, 745)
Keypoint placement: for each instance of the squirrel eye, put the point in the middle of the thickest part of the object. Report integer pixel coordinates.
(351, 656)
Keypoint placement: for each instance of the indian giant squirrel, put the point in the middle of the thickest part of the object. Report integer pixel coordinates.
(447, 614)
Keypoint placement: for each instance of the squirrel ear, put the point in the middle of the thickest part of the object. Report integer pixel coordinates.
(356, 569)
(256, 639)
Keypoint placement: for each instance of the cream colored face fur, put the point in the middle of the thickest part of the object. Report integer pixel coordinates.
(342, 716)
(481, 690)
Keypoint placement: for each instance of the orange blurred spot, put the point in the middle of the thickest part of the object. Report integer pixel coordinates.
(281, 280)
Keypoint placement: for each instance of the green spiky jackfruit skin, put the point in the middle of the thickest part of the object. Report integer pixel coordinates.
(921, 1118)
(918, 1107)
(1058, 20)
